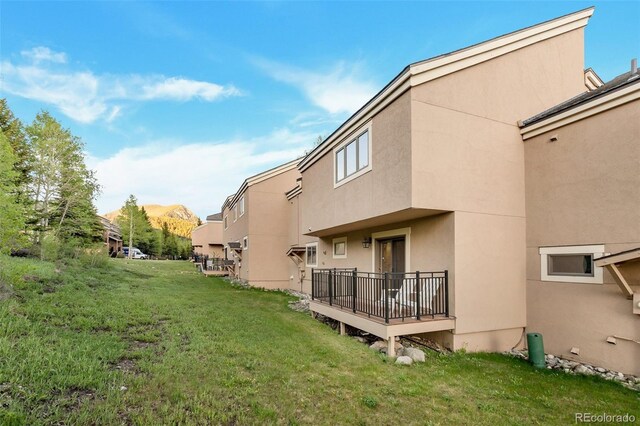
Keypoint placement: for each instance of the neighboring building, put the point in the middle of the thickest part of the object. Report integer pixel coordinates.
(582, 180)
(256, 227)
(429, 177)
(206, 239)
(112, 236)
(301, 247)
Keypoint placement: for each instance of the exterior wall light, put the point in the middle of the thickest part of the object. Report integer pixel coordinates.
(366, 242)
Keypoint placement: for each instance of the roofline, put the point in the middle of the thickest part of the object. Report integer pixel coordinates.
(622, 95)
(198, 227)
(292, 193)
(439, 66)
(592, 77)
(260, 177)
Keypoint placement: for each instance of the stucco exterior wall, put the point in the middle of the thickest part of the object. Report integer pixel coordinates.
(585, 189)
(467, 152)
(490, 270)
(384, 189)
(299, 273)
(266, 225)
(209, 237)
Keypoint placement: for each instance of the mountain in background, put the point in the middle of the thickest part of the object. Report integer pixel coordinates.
(179, 219)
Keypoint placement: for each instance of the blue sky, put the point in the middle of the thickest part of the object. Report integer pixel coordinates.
(178, 102)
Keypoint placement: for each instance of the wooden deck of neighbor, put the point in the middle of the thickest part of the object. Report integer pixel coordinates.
(216, 273)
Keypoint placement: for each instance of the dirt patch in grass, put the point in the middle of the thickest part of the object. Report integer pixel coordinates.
(6, 292)
(74, 397)
(127, 365)
(137, 344)
(5, 395)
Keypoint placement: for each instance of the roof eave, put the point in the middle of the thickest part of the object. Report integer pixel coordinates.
(439, 66)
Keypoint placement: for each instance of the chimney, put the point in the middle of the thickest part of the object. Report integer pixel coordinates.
(634, 65)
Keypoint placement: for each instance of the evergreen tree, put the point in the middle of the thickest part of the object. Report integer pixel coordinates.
(15, 135)
(63, 189)
(11, 210)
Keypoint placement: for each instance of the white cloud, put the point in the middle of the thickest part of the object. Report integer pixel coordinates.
(198, 175)
(87, 97)
(182, 89)
(340, 89)
(44, 54)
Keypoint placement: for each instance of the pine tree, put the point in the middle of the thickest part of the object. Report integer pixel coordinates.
(11, 210)
(15, 135)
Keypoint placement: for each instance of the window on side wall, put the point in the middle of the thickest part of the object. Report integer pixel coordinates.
(245, 243)
(241, 202)
(340, 248)
(225, 222)
(312, 254)
(573, 264)
(235, 212)
(352, 158)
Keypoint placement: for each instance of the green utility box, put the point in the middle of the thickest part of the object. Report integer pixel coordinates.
(536, 349)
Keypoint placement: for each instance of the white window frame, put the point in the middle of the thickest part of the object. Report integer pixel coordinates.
(333, 248)
(241, 202)
(226, 223)
(245, 243)
(306, 255)
(235, 212)
(352, 137)
(597, 250)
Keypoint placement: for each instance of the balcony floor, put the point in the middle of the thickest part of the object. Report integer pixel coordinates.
(377, 326)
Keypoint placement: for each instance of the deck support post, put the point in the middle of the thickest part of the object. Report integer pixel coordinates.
(391, 346)
(343, 330)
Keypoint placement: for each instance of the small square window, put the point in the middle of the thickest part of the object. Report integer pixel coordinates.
(340, 248)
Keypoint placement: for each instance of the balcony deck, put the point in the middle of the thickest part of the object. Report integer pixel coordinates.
(385, 305)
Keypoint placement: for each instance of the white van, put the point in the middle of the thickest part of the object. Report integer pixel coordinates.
(135, 253)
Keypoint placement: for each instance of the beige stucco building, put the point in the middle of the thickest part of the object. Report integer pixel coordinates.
(256, 228)
(436, 180)
(582, 185)
(438, 206)
(206, 239)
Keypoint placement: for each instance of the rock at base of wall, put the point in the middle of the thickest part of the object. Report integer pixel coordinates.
(404, 360)
(415, 354)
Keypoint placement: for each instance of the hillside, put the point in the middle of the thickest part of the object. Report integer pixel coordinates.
(179, 219)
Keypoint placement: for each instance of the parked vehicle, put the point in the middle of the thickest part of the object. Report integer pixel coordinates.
(135, 253)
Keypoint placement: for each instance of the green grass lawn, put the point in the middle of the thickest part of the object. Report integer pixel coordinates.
(153, 342)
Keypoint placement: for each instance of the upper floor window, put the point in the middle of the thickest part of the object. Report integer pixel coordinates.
(235, 212)
(352, 158)
(241, 202)
(225, 222)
